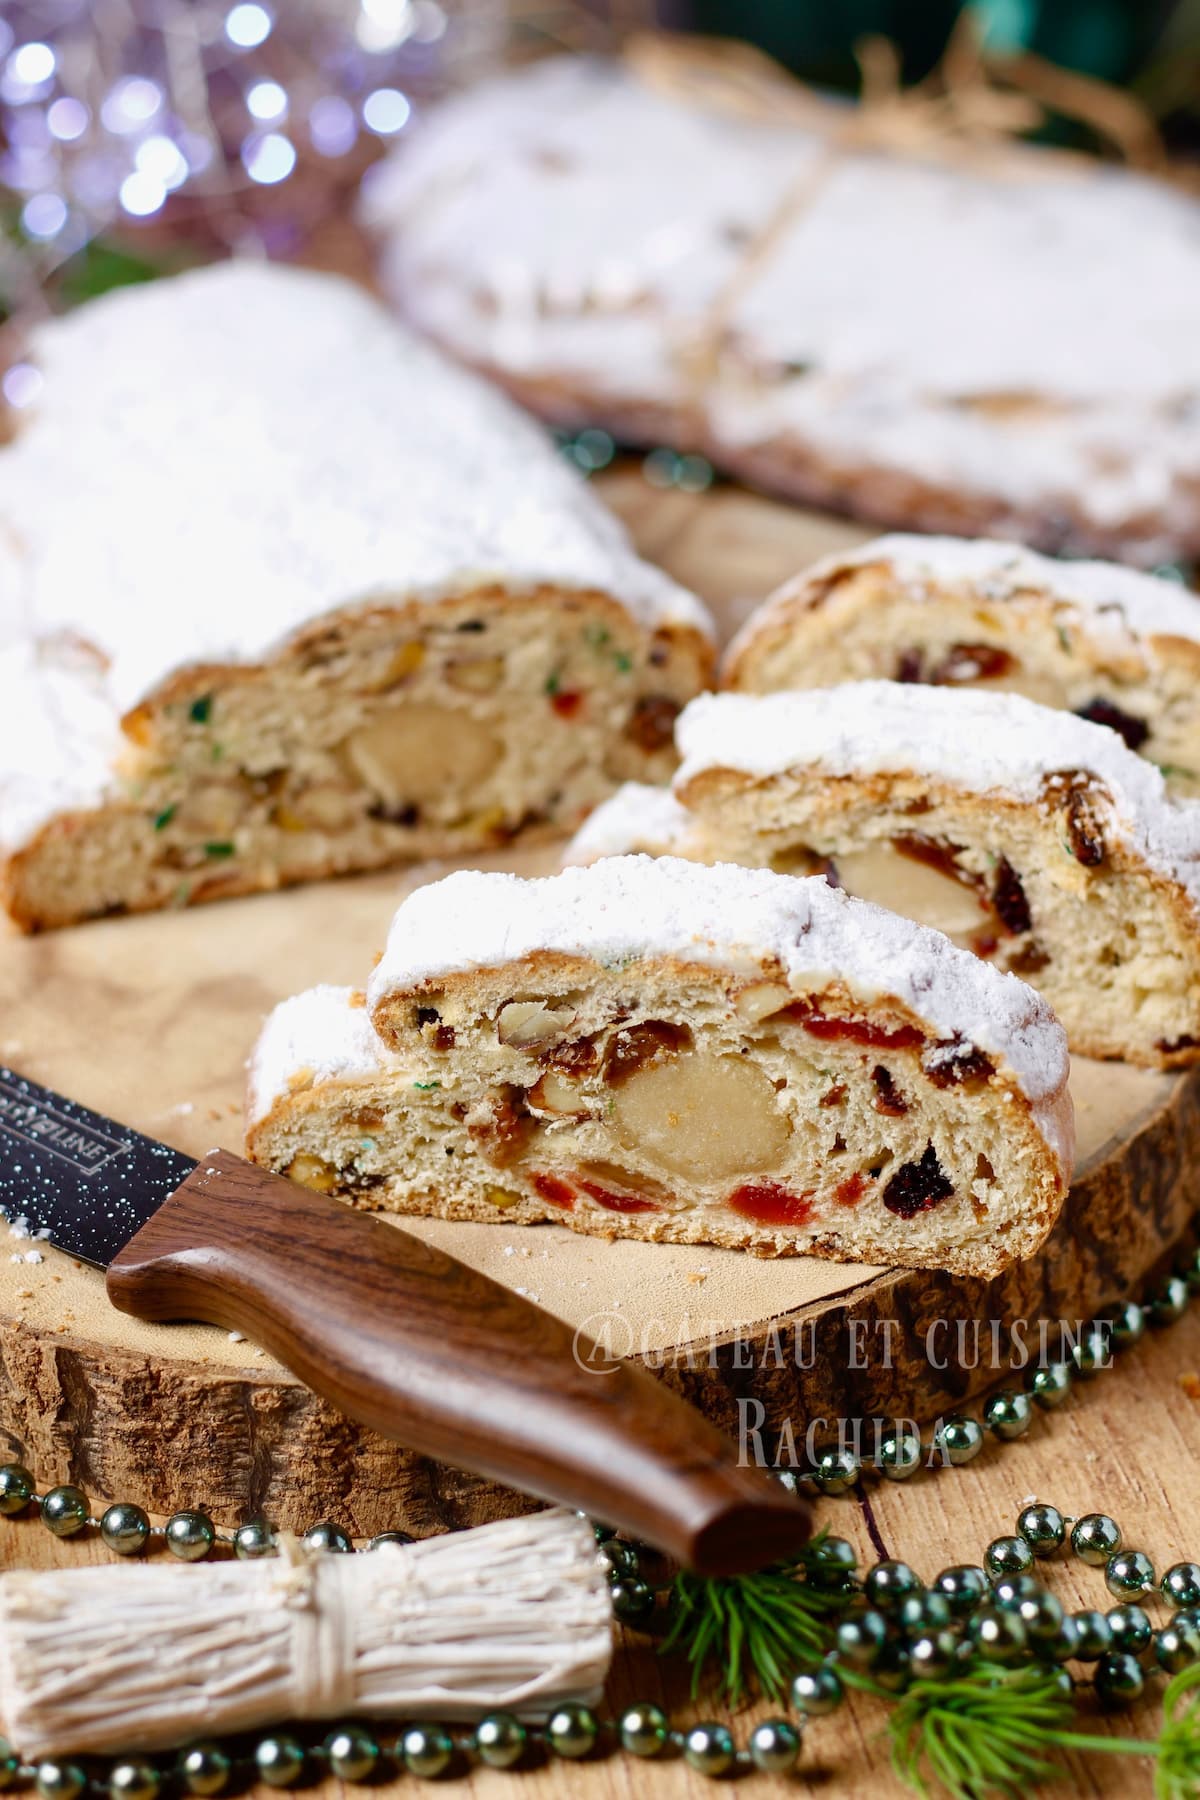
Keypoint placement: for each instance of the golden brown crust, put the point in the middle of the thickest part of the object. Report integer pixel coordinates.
(827, 797)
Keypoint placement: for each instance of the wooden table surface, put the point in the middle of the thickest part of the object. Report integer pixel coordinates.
(1127, 1443)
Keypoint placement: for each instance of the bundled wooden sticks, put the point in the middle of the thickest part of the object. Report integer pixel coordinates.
(514, 1615)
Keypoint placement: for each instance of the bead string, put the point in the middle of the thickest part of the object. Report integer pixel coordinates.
(895, 1627)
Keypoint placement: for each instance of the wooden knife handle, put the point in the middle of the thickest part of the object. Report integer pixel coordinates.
(421, 1348)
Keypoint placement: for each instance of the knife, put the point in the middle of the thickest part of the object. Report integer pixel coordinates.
(394, 1332)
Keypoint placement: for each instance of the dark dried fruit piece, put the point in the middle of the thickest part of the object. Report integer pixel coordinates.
(917, 1187)
(1031, 961)
(502, 1126)
(972, 662)
(888, 1098)
(1008, 899)
(953, 1062)
(1169, 1045)
(574, 1057)
(851, 1191)
(908, 666)
(634, 1047)
(652, 722)
(1105, 712)
(934, 855)
(1081, 805)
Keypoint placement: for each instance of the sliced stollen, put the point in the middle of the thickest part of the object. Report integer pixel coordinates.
(283, 593)
(902, 336)
(1108, 643)
(664, 1050)
(1032, 838)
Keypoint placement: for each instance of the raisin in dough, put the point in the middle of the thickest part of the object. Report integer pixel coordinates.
(1002, 342)
(662, 1050)
(1032, 838)
(1108, 643)
(283, 594)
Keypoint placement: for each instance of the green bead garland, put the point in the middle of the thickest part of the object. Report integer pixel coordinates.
(906, 1631)
(1180, 1585)
(124, 1529)
(1043, 1528)
(205, 1769)
(1094, 1538)
(60, 1780)
(571, 1731)
(1128, 1572)
(190, 1535)
(427, 1750)
(774, 1746)
(64, 1511)
(279, 1759)
(643, 1730)
(16, 1488)
(133, 1780)
(352, 1753)
(1007, 1556)
(709, 1749)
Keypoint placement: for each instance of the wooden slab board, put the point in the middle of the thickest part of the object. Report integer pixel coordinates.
(150, 1020)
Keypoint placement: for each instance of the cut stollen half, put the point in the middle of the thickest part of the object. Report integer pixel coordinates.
(689, 1054)
(1115, 646)
(284, 594)
(1034, 839)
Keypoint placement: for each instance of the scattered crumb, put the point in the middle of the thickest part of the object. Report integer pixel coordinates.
(358, 999)
(528, 1294)
(214, 1112)
(510, 1250)
(237, 1337)
(16, 1257)
(1029, 1500)
(34, 1256)
(1190, 1383)
(182, 1109)
(696, 1277)
(24, 1293)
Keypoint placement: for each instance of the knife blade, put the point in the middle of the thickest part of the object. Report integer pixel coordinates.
(392, 1330)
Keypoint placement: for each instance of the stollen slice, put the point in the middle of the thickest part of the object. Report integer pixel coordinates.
(631, 244)
(1115, 646)
(1034, 839)
(285, 594)
(682, 1053)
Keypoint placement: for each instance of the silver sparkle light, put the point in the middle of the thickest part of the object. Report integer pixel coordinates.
(268, 157)
(386, 111)
(247, 25)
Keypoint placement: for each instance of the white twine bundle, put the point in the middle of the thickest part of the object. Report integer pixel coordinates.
(514, 1615)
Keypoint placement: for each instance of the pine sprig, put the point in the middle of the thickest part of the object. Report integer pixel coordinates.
(1177, 1775)
(987, 1731)
(981, 1731)
(753, 1631)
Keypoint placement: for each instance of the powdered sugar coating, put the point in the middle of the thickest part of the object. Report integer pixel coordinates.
(1112, 601)
(976, 740)
(637, 818)
(217, 460)
(574, 229)
(627, 908)
(321, 1032)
